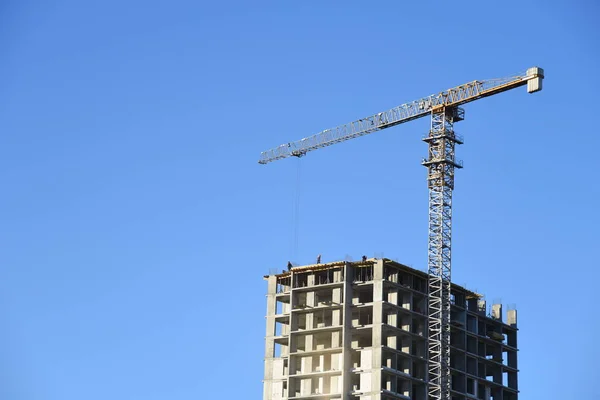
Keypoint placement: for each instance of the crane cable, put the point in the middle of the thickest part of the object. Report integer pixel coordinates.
(296, 211)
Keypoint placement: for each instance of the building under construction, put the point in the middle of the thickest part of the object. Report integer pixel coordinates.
(358, 331)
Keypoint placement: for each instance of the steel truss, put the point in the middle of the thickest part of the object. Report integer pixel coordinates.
(422, 107)
(440, 165)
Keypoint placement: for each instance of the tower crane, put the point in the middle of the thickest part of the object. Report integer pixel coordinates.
(444, 109)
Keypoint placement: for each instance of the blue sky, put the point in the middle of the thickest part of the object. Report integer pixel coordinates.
(136, 223)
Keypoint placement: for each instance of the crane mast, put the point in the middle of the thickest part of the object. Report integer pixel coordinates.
(440, 163)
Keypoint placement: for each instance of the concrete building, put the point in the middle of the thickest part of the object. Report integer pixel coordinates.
(357, 331)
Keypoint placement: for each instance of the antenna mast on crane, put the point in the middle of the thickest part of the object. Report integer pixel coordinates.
(440, 163)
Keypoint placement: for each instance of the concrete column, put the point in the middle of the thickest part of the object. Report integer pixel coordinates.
(336, 317)
(309, 344)
(513, 380)
(336, 295)
(497, 311)
(306, 365)
(511, 318)
(377, 325)
(481, 306)
(291, 345)
(347, 331)
(336, 339)
(269, 341)
(310, 319)
(310, 299)
(392, 319)
(393, 297)
(392, 342)
(488, 393)
(336, 298)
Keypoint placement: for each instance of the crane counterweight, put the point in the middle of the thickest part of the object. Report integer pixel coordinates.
(534, 82)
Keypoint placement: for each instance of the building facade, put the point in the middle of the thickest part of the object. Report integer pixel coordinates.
(358, 331)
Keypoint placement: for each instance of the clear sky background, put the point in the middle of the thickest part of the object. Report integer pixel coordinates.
(136, 223)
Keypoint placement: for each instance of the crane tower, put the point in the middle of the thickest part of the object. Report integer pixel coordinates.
(444, 109)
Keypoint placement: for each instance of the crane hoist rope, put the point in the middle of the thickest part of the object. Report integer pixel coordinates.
(444, 109)
(296, 211)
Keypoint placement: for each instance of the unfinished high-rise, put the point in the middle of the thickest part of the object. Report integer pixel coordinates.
(358, 331)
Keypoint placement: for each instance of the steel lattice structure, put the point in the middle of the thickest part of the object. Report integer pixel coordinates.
(441, 164)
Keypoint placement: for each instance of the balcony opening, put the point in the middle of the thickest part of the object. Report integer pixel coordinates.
(301, 280)
(363, 274)
(283, 285)
(390, 274)
(324, 297)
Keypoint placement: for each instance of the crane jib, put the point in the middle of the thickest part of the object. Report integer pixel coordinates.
(404, 113)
